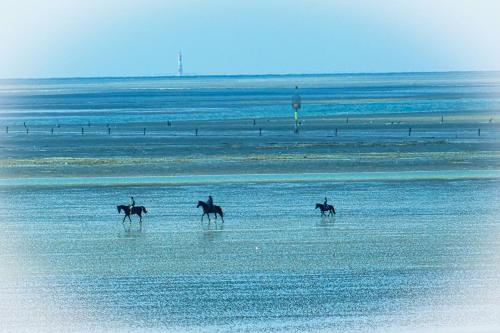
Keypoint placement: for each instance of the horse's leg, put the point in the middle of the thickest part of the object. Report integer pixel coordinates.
(124, 218)
(140, 217)
(129, 218)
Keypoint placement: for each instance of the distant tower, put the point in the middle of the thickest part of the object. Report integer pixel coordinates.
(179, 64)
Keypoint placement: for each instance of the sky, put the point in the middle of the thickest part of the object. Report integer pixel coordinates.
(56, 38)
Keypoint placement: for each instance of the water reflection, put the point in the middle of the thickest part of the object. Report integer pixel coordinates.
(131, 230)
(212, 230)
(326, 221)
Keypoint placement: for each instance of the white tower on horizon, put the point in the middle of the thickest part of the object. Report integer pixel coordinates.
(179, 64)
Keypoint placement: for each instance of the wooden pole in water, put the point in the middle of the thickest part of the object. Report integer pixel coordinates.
(144, 131)
(478, 132)
(109, 130)
(27, 130)
(82, 130)
(409, 131)
(196, 132)
(7, 129)
(52, 130)
(336, 131)
(260, 131)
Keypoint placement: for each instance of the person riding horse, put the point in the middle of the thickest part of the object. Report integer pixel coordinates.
(130, 209)
(325, 207)
(209, 208)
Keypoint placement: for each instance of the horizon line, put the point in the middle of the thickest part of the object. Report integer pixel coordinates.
(246, 75)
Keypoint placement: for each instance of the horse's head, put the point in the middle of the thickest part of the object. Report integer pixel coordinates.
(119, 209)
(318, 206)
(200, 203)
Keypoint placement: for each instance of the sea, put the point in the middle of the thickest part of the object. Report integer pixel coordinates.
(408, 251)
(161, 99)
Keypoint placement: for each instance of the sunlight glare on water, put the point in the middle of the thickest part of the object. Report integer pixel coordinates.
(394, 259)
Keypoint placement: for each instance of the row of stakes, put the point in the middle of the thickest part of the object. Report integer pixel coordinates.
(196, 130)
(109, 129)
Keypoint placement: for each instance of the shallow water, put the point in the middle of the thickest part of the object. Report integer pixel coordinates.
(255, 178)
(397, 253)
(414, 244)
(154, 99)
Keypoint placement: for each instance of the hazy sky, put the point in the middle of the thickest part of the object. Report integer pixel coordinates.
(101, 38)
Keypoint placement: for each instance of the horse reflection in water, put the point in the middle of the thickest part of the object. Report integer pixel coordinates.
(216, 210)
(212, 231)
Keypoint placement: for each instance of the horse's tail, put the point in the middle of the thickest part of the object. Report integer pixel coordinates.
(144, 209)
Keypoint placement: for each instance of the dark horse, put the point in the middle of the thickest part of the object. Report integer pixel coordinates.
(138, 210)
(206, 211)
(328, 208)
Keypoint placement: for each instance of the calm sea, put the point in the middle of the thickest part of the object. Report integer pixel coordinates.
(150, 99)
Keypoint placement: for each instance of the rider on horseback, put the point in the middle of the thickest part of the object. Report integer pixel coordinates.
(326, 203)
(132, 203)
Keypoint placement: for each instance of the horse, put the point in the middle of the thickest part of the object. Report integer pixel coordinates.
(138, 210)
(329, 208)
(206, 210)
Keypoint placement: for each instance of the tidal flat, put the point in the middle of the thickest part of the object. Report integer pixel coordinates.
(410, 162)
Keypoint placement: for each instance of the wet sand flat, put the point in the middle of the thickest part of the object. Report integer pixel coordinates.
(410, 161)
(401, 254)
(410, 142)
